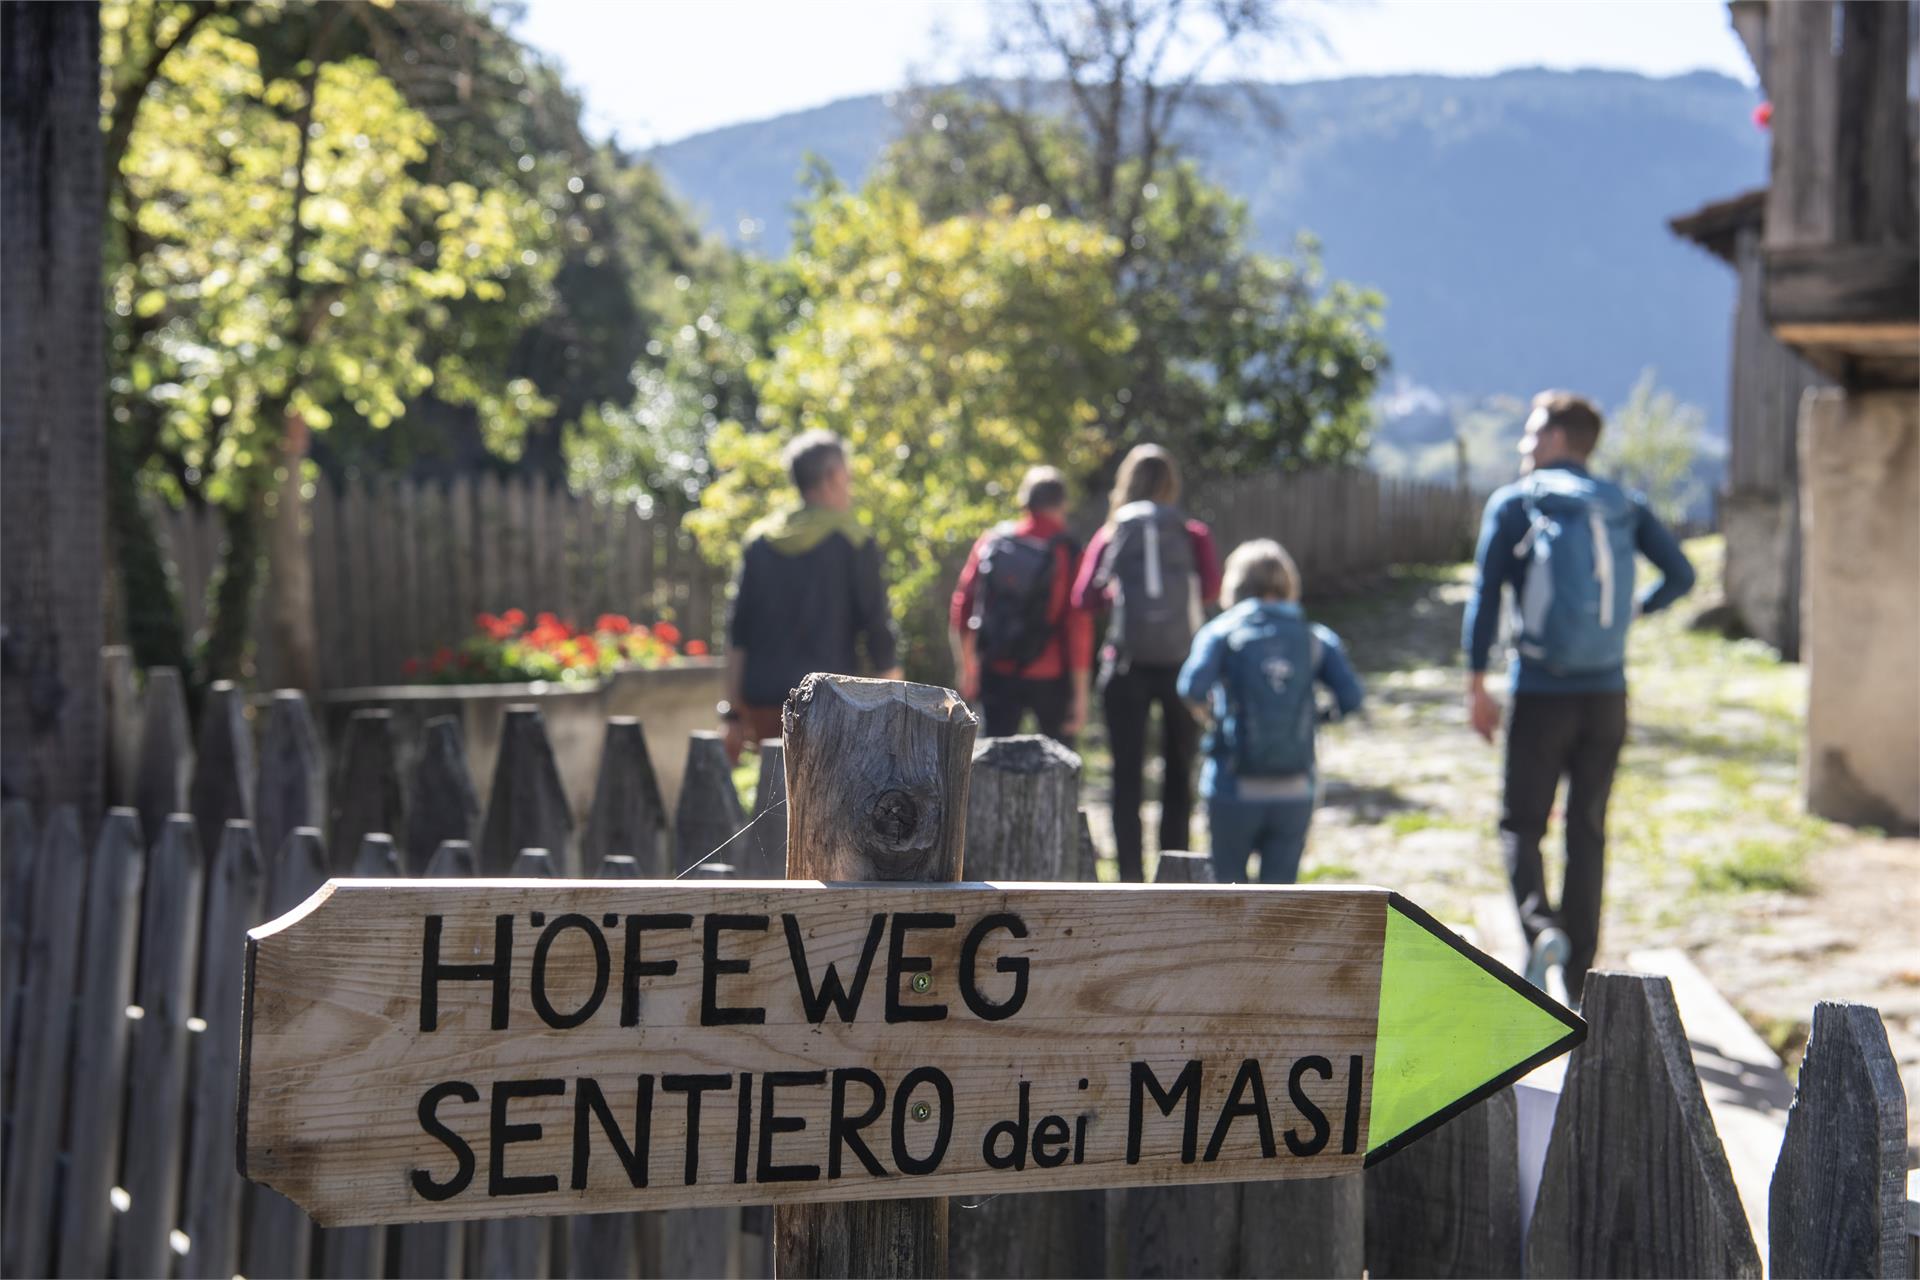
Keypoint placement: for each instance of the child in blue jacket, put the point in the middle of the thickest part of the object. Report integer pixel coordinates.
(1255, 667)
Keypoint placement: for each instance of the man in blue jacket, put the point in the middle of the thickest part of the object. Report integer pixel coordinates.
(1564, 541)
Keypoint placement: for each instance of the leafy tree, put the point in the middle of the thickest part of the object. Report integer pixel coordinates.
(951, 354)
(1652, 443)
(283, 257)
(1241, 360)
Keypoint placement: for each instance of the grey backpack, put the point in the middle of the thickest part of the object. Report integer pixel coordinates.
(1149, 564)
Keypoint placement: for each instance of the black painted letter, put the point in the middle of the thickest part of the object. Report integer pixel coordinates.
(462, 1153)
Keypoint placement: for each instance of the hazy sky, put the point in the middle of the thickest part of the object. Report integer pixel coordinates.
(656, 70)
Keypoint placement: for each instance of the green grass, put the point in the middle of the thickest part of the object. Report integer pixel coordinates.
(1408, 821)
(1756, 865)
(1330, 873)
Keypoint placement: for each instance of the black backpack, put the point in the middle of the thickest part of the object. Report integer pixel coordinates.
(1012, 595)
(1149, 564)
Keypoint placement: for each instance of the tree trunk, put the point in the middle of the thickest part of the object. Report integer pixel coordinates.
(155, 627)
(290, 574)
(230, 612)
(52, 426)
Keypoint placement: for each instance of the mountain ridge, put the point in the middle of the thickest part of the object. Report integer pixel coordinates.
(1516, 222)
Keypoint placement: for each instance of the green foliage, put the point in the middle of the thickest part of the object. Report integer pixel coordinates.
(1651, 444)
(219, 198)
(377, 221)
(1240, 360)
(951, 354)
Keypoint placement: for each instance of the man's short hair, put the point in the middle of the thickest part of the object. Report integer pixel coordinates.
(811, 455)
(1576, 416)
(1043, 489)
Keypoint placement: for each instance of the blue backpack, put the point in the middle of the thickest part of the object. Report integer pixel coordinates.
(1268, 679)
(1576, 598)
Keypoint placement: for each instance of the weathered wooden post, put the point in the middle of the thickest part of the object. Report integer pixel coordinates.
(348, 1253)
(100, 1045)
(876, 790)
(166, 753)
(441, 802)
(18, 843)
(517, 1248)
(292, 787)
(236, 899)
(46, 1012)
(436, 1250)
(1636, 1181)
(1191, 1230)
(1023, 823)
(1089, 853)
(453, 859)
(708, 814)
(366, 791)
(1838, 1205)
(156, 1111)
(628, 816)
(279, 1233)
(1023, 812)
(613, 1244)
(527, 807)
(1449, 1205)
(761, 851)
(223, 772)
(121, 712)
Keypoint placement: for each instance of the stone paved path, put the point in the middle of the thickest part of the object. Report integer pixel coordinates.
(1708, 849)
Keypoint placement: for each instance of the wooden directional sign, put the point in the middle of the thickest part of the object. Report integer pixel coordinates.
(434, 1050)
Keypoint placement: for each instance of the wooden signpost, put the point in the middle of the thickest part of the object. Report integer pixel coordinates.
(858, 1043)
(421, 1050)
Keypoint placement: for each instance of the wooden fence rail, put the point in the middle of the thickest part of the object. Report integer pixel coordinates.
(120, 992)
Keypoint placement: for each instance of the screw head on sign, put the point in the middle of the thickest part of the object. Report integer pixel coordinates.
(923, 982)
(921, 1111)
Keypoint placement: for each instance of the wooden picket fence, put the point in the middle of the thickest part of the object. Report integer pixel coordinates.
(122, 972)
(400, 568)
(1342, 525)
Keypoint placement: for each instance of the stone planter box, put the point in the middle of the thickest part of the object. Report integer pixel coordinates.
(670, 702)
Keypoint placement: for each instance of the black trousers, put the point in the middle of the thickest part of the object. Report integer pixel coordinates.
(1005, 701)
(1550, 736)
(1128, 697)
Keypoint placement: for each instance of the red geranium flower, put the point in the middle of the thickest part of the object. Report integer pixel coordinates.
(612, 622)
(515, 618)
(696, 648)
(667, 633)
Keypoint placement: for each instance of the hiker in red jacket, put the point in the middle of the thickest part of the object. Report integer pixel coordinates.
(1019, 643)
(1158, 573)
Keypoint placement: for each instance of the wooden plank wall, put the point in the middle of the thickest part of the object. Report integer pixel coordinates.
(1768, 381)
(400, 569)
(1342, 525)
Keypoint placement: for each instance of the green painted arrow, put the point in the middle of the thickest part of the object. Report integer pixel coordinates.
(1455, 1028)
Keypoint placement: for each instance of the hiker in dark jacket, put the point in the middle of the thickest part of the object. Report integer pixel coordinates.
(1255, 668)
(1018, 641)
(1158, 572)
(809, 591)
(1564, 541)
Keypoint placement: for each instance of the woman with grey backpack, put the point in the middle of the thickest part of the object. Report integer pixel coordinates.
(1157, 571)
